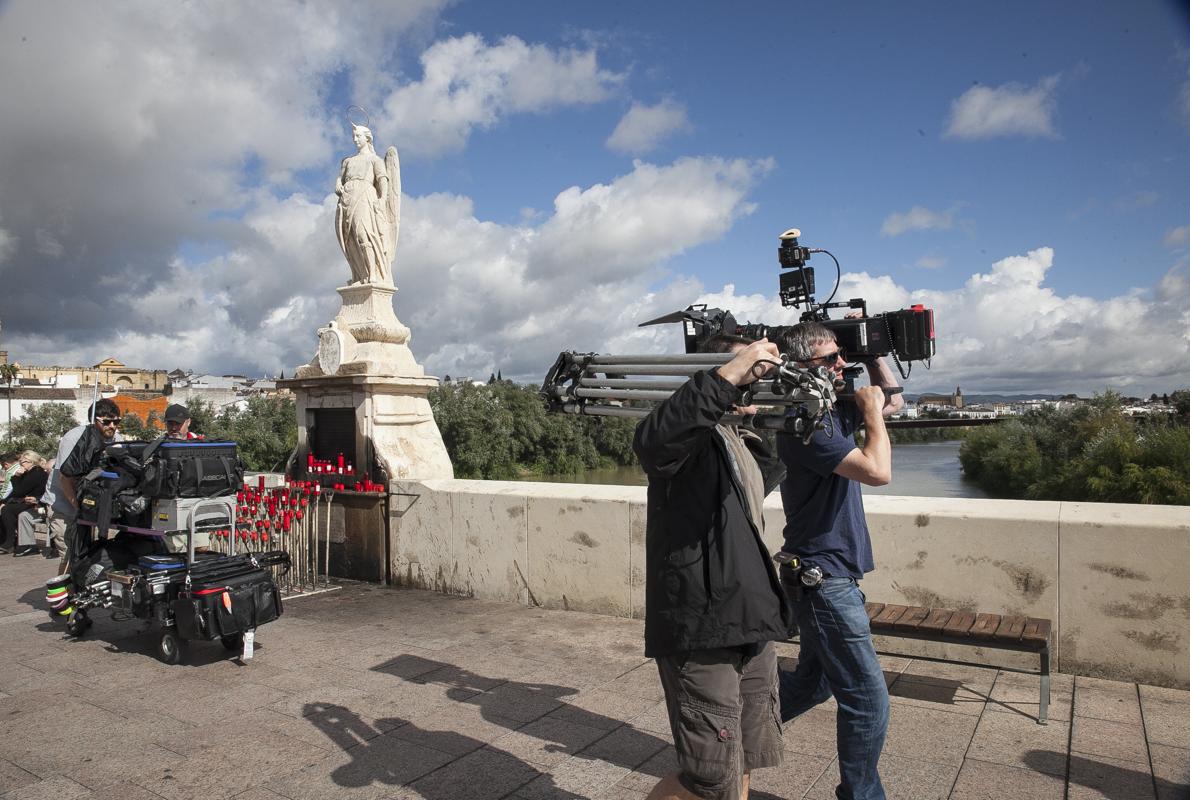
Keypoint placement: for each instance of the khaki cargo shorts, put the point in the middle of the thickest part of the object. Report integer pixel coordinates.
(723, 711)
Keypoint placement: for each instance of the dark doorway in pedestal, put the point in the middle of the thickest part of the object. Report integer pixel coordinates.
(333, 433)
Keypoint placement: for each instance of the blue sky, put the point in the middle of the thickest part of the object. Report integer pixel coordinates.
(571, 169)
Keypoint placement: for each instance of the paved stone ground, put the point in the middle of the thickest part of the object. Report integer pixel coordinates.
(370, 692)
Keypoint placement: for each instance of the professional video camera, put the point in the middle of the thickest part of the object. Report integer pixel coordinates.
(907, 335)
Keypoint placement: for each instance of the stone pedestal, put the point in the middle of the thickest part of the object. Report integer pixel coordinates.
(365, 385)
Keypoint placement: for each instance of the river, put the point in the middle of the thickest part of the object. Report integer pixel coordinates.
(927, 469)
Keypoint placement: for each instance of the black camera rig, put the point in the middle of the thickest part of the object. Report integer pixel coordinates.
(599, 385)
(907, 335)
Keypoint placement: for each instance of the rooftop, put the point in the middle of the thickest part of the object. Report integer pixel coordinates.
(371, 692)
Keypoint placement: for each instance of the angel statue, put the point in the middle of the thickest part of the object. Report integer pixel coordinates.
(368, 215)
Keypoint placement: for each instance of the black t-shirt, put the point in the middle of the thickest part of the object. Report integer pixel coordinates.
(824, 512)
(86, 454)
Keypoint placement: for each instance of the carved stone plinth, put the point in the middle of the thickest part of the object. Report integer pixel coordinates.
(364, 365)
(394, 428)
(370, 339)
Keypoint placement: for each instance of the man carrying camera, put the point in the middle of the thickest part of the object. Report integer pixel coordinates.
(713, 601)
(827, 535)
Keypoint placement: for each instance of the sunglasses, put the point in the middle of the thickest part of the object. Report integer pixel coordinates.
(107, 420)
(829, 358)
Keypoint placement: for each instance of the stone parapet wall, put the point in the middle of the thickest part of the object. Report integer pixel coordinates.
(1115, 579)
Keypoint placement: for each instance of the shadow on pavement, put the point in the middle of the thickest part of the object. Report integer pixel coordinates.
(1108, 780)
(501, 700)
(376, 758)
(133, 635)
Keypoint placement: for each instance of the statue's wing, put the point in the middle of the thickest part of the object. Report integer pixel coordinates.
(393, 166)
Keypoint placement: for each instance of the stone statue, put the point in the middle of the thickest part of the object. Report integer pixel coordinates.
(368, 215)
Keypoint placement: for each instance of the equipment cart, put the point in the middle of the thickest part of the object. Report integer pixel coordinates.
(189, 595)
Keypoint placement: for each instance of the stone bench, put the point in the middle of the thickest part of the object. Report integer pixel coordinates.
(1021, 634)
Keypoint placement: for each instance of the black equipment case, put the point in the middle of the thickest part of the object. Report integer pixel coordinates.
(192, 469)
(219, 608)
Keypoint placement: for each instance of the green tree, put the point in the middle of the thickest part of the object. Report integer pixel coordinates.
(202, 416)
(132, 428)
(501, 431)
(42, 426)
(1092, 452)
(265, 431)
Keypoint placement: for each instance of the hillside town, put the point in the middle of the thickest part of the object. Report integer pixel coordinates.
(143, 392)
(955, 406)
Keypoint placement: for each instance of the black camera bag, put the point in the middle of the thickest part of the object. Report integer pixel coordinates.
(192, 469)
(227, 606)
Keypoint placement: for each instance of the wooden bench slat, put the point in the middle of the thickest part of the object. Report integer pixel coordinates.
(985, 626)
(1010, 629)
(911, 619)
(1036, 631)
(937, 620)
(873, 610)
(888, 616)
(960, 623)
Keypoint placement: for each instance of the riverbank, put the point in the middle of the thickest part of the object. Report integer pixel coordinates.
(920, 469)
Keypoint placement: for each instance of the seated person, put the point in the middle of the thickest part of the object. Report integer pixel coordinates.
(27, 486)
(8, 468)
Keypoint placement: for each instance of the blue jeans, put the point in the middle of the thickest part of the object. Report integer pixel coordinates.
(837, 657)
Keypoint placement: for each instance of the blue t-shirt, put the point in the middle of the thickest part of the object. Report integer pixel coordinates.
(824, 512)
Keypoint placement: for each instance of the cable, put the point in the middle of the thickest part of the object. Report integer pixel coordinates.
(838, 273)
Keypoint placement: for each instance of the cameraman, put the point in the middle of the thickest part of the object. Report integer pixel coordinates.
(79, 452)
(825, 529)
(713, 601)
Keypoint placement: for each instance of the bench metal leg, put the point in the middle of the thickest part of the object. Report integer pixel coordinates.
(1044, 703)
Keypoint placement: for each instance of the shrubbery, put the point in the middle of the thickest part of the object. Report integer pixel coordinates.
(501, 431)
(1093, 452)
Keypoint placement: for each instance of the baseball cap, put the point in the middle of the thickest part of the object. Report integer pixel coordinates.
(177, 413)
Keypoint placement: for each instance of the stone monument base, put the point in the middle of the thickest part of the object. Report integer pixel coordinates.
(364, 395)
(382, 424)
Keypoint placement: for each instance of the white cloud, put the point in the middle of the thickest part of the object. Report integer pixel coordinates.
(1006, 331)
(1176, 237)
(479, 296)
(8, 245)
(931, 262)
(47, 244)
(159, 125)
(984, 112)
(643, 128)
(917, 218)
(470, 84)
(582, 279)
(643, 218)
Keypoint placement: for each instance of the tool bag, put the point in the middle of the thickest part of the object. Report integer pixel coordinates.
(223, 607)
(189, 469)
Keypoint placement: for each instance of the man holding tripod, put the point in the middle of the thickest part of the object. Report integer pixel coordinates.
(713, 601)
(827, 535)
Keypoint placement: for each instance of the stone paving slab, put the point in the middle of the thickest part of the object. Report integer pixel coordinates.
(386, 694)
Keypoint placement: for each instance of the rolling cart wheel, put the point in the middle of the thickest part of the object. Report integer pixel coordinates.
(78, 623)
(170, 647)
(234, 643)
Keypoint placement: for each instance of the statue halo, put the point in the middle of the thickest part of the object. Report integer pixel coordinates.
(367, 118)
